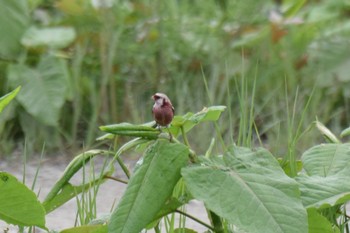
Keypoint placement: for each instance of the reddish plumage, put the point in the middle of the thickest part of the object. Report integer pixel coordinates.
(163, 110)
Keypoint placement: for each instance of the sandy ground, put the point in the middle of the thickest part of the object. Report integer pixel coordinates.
(65, 216)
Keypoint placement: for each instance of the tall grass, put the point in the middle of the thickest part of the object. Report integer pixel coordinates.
(123, 54)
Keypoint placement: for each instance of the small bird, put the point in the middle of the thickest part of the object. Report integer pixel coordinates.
(163, 111)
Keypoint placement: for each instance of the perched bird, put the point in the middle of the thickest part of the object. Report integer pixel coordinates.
(163, 111)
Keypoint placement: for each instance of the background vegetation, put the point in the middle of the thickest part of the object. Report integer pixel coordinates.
(277, 64)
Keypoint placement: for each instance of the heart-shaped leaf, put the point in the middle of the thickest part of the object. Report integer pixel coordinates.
(43, 88)
(250, 190)
(325, 182)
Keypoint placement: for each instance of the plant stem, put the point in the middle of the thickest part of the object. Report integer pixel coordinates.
(196, 220)
(192, 154)
(125, 147)
(123, 166)
(184, 136)
(156, 228)
(116, 179)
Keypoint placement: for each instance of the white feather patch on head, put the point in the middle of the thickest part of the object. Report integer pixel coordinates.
(161, 98)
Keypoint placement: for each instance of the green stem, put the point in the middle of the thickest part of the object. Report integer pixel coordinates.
(196, 220)
(125, 147)
(184, 136)
(123, 166)
(156, 228)
(116, 179)
(192, 154)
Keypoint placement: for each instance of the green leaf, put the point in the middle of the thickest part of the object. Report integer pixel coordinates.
(18, 204)
(326, 159)
(6, 99)
(115, 128)
(63, 191)
(327, 134)
(101, 220)
(286, 166)
(14, 19)
(54, 37)
(43, 89)
(345, 132)
(250, 190)
(318, 223)
(149, 187)
(126, 129)
(87, 229)
(189, 120)
(170, 206)
(106, 136)
(292, 7)
(326, 182)
(184, 230)
(324, 192)
(69, 191)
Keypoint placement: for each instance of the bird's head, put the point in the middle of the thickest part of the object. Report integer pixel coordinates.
(161, 99)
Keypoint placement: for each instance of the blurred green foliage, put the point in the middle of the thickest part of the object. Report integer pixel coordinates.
(84, 63)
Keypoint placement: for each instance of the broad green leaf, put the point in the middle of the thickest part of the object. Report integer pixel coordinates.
(87, 229)
(149, 187)
(18, 204)
(326, 182)
(326, 159)
(54, 37)
(14, 19)
(324, 192)
(318, 223)
(6, 99)
(189, 120)
(43, 89)
(250, 190)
